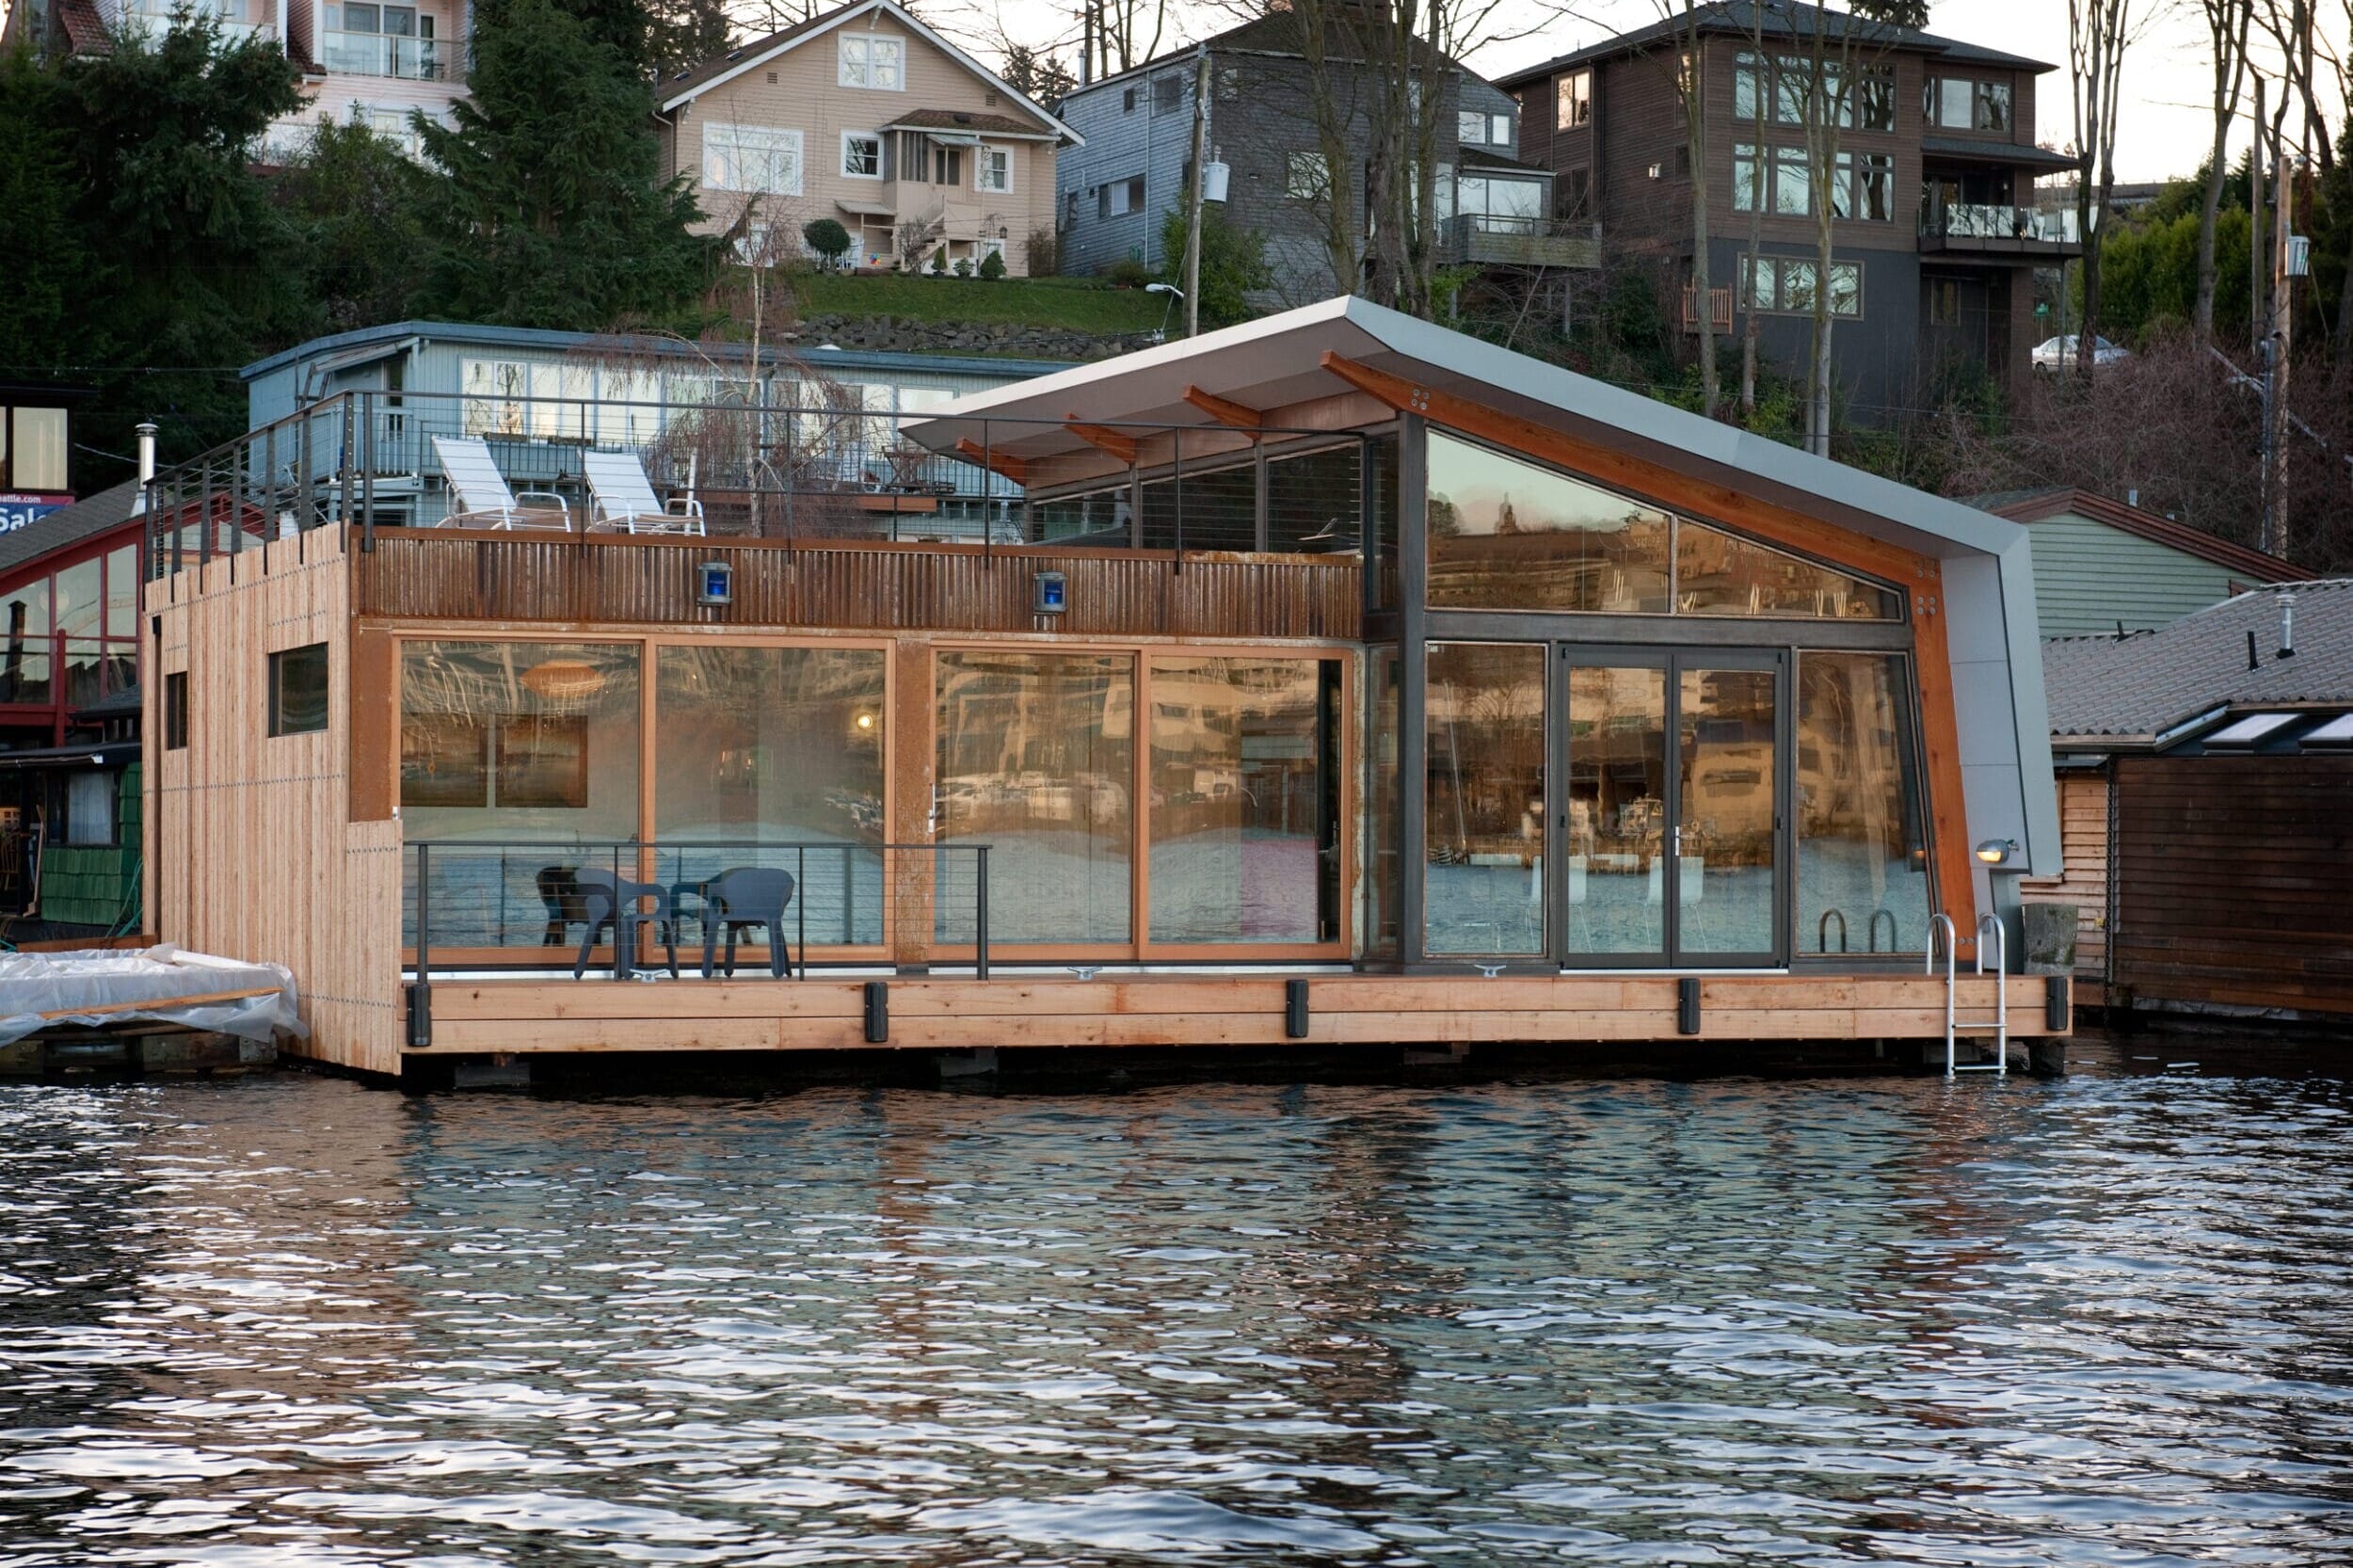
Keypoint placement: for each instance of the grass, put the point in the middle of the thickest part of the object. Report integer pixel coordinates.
(1081, 304)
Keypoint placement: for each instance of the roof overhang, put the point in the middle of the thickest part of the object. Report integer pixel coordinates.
(1278, 363)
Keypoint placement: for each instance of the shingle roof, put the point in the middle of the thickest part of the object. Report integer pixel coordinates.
(2130, 689)
(67, 525)
(965, 119)
(1782, 19)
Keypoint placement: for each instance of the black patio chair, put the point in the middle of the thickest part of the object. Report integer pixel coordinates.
(740, 900)
(559, 890)
(610, 899)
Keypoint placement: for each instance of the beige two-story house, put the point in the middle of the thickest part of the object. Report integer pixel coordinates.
(867, 116)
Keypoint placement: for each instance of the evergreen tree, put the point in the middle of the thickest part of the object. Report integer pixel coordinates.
(358, 205)
(554, 212)
(49, 265)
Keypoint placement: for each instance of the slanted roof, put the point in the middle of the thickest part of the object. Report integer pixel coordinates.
(2138, 690)
(1980, 151)
(1774, 19)
(68, 526)
(2032, 507)
(697, 79)
(980, 123)
(1276, 34)
(1480, 158)
(1277, 362)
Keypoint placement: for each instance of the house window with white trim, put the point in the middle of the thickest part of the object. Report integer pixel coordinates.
(861, 155)
(763, 159)
(871, 60)
(1307, 177)
(993, 170)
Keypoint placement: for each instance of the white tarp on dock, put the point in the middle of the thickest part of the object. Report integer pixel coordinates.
(104, 986)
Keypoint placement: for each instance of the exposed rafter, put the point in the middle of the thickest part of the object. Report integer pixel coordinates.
(1224, 409)
(1104, 439)
(1004, 465)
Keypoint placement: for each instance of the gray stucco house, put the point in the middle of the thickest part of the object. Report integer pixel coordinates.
(1116, 190)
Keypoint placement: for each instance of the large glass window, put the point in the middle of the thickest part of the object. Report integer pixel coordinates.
(1036, 759)
(1382, 788)
(24, 644)
(1245, 800)
(1312, 500)
(1862, 842)
(1719, 574)
(777, 746)
(1484, 831)
(514, 747)
(1506, 535)
(1219, 508)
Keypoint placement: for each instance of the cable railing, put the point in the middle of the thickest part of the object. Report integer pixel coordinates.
(627, 907)
(830, 467)
(1997, 221)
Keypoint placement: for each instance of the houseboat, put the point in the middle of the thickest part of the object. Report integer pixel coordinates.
(1333, 679)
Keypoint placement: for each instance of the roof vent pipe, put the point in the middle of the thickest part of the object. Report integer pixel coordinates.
(2287, 626)
(2254, 659)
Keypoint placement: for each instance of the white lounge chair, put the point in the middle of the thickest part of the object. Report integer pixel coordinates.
(478, 490)
(620, 496)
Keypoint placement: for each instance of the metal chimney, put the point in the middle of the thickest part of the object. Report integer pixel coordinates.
(146, 464)
(2287, 625)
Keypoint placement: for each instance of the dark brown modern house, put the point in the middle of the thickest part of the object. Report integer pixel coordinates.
(1936, 233)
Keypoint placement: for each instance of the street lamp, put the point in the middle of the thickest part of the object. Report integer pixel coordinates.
(1175, 294)
(1994, 850)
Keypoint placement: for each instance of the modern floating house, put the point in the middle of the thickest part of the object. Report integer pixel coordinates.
(1333, 678)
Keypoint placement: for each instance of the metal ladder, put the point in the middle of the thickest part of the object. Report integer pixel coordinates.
(1999, 1023)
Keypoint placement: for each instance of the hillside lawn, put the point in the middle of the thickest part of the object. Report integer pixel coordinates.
(1081, 304)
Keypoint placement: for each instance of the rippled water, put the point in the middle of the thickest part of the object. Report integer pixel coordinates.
(293, 1320)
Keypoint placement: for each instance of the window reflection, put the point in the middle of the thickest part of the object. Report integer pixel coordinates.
(1218, 508)
(1245, 800)
(1483, 835)
(1381, 786)
(1506, 535)
(1036, 759)
(1863, 855)
(504, 742)
(1617, 814)
(1312, 500)
(1725, 723)
(783, 745)
(1718, 574)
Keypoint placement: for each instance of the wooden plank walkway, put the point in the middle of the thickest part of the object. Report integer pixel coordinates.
(559, 1016)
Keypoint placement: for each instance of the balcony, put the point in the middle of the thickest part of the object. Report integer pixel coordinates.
(1496, 239)
(1992, 230)
(408, 59)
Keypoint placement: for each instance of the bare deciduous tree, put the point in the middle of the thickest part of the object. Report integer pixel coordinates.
(2098, 34)
(2226, 29)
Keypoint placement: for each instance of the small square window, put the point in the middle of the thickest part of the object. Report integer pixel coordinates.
(176, 711)
(1127, 102)
(297, 689)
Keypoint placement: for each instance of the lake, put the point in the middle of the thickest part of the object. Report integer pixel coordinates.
(292, 1321)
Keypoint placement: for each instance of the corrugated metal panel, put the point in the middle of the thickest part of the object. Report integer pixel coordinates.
(429, 575)
(2087, 576)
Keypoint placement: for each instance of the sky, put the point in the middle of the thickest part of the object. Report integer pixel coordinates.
(2163, 127)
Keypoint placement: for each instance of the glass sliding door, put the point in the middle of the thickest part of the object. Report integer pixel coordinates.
(1615, 825)
(1484, 822)
(1725, 853)
(1670, 826)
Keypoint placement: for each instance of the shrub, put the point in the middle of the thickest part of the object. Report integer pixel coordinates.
(963, 267)
(992, 267)
(1043, 250)
(939, 261)
(1233, 263)
(826, 237)
(1129, 272)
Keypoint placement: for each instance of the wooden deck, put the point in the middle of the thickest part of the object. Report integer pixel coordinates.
(561, 1016)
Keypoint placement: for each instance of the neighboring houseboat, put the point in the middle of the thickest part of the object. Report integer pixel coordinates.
(2102, 565)
(864, 115)
(1336, 678)
(69, 741)
(2206, 799)
(546, 397)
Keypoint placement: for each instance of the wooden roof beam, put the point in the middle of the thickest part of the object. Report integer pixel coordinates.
(1104, 439)
(1224, 409)
(1002, 464)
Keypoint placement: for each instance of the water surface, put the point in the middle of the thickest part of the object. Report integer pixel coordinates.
(290, 1320)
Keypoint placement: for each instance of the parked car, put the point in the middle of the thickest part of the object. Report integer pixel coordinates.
(2059, 353)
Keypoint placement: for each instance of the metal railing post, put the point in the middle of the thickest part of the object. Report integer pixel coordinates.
(420, 992)
(367, 471)
(979, 913)
(800, 938)
(204, 514)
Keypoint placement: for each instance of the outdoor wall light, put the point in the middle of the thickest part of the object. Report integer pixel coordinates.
(1994, 850)
(1049, 594)
(715, 583)
(866, 722)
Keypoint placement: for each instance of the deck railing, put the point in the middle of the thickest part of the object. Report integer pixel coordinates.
(1997, 221)
(471, 904)
(827, 467)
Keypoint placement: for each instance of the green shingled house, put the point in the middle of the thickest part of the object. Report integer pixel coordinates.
(2100, 565)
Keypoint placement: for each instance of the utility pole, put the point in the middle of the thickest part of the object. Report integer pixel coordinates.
(1192, 197)
(2278, 340)
(2256, 272)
